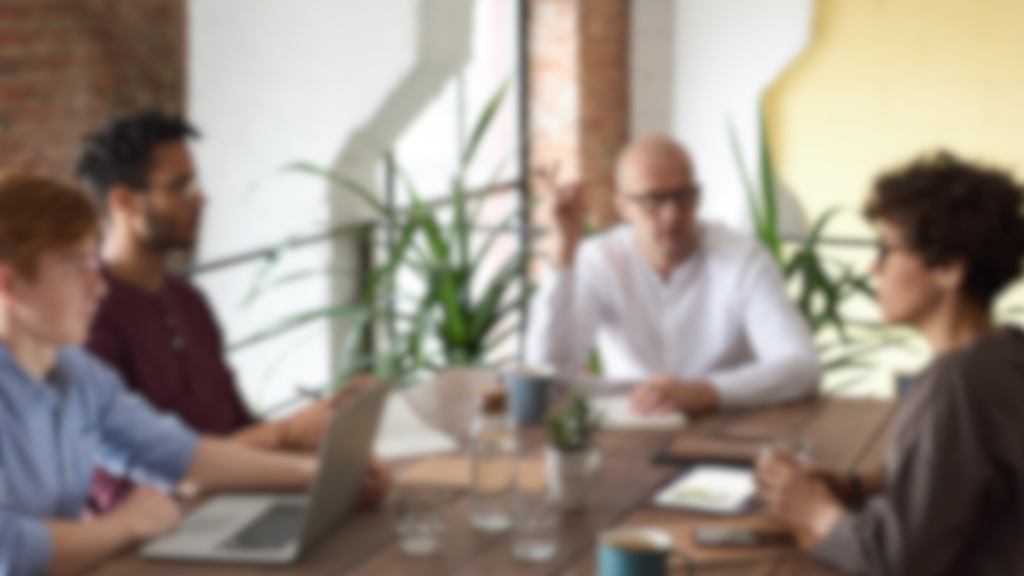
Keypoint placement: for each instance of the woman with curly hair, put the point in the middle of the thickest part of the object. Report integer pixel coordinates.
(950, 498)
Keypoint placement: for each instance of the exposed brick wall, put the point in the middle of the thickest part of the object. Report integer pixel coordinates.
(604, 79)
(554, 85)
(66, 66)
(579, 93)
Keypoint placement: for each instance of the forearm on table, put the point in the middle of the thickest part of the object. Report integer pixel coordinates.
(768, 381)
(262, 435)
(224, 465)
(76, 546)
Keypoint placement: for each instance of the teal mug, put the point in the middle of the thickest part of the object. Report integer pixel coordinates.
(529, 389)
(633, 551)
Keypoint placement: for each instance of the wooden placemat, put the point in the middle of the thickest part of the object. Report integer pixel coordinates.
(840, 429)
(766, 424)
(453, 471)
(843, 431)
(682, 524)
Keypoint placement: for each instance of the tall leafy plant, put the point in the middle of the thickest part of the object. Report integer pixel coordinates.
(445, 311)
(821, 287)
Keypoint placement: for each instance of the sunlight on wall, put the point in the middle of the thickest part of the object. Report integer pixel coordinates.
(886, 80)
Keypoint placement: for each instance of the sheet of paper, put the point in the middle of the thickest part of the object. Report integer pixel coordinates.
(710, 488)
(617, 414)
(403, 433)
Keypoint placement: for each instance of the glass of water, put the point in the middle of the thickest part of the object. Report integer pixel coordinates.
(800, 449)
(420, 516)
(535, 519)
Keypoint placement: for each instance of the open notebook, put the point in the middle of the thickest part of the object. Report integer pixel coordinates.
(617, 414)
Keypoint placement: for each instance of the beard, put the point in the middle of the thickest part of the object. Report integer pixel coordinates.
(163, 234)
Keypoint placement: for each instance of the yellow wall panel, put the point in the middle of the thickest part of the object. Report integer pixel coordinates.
(884, 81)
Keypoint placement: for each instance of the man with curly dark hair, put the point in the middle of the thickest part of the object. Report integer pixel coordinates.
(155, 328)
(950, 498)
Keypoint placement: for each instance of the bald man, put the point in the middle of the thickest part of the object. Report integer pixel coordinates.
(686, 315)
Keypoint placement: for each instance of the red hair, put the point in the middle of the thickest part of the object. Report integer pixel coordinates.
(38, 214)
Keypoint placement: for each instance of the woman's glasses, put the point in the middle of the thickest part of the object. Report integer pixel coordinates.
(883, 251)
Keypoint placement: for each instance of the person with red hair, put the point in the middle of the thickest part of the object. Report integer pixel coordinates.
(62, 410)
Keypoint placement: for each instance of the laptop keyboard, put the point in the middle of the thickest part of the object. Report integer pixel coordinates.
(279, 525)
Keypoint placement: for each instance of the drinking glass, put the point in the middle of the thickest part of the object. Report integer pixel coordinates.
(799, 448)
(420, 516)
(535, 518)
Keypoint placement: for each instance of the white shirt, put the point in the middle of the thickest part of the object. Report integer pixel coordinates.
(722, 317)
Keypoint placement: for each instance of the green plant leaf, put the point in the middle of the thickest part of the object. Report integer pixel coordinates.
(297, 276)
(365, 194)
(491, 187)
(300, 319)
(483, 123)
(754, 200)
(768, 192)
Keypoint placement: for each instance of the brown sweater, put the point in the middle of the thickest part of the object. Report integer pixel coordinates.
(954, 496)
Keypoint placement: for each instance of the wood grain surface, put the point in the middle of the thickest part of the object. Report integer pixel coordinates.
(849, 434)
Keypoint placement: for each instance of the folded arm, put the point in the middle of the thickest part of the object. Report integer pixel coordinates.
(786, 366)
(932, 501)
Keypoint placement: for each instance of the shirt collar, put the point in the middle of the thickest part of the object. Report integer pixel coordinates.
(24, 386)
(682, 273)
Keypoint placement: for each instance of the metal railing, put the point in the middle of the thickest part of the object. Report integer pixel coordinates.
(356, 228)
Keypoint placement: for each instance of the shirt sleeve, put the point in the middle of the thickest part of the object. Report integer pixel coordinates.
(202, 305)
(138, 442)
(25, 546)
(936, 482)
(785, 365)
(564, 317)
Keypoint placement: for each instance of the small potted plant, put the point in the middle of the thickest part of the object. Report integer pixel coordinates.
(571, 457)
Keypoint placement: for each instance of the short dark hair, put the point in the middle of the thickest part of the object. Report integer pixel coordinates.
(119, 153)
(951, 209)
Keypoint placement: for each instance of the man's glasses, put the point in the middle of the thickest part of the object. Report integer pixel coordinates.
(654, 201)
(186, 189)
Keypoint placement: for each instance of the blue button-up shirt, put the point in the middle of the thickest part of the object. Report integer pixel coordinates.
(52, 434)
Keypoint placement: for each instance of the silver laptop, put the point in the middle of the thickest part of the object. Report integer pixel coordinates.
(279, 528)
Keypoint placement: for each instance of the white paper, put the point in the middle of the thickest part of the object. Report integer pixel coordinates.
(403, 433)
(710, 488)
(618, 414)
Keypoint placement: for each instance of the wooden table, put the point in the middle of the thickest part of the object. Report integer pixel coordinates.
(846, 433)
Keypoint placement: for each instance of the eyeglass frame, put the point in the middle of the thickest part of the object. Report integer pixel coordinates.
(651, 202)
(883, 251)
(186, 190)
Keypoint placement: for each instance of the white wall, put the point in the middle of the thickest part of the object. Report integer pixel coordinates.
(697, 63)
(325, 81)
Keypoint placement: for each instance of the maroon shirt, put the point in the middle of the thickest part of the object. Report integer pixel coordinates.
(167, 346)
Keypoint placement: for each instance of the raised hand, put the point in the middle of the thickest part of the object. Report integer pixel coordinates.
(562, 213)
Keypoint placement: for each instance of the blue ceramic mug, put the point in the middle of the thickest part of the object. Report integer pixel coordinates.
(633, 551)
(529, 389)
